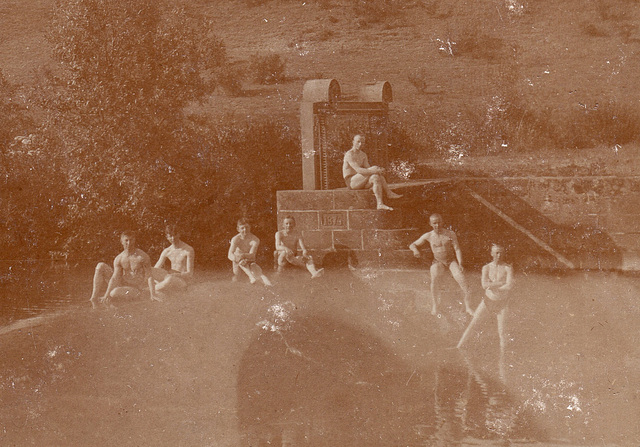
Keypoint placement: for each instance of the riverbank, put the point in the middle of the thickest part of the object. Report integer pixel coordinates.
(343, 360)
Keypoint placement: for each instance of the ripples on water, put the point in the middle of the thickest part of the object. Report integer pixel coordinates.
(30, 288)
(382, 372)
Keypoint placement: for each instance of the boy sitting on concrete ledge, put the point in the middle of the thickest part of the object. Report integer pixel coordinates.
(359, 174)
(288, 241)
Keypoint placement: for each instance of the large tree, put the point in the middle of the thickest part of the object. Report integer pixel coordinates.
(116, 107)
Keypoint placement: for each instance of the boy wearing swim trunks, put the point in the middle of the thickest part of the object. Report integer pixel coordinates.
(497, 281)
(359, 174)
(288, 241)
(242, 254)
(446, 255)
(181, 258)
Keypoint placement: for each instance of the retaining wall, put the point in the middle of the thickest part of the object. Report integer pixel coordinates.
(547, 222)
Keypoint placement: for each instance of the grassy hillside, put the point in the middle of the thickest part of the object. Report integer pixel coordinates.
(444, 59)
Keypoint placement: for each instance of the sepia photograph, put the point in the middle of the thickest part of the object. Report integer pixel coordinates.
(252, 223)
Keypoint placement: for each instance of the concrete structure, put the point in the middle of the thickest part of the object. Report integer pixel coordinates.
(321, 111)
(546, 222)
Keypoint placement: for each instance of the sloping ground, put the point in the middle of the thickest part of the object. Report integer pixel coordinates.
(557, 55)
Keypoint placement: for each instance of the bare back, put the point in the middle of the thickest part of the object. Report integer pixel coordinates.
(353, 159)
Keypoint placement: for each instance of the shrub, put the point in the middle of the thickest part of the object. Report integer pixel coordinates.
(377, 11)
(267, 69)
(420, 80)
(479, 45)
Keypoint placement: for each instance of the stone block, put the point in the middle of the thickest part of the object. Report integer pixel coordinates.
(305, 220)
(387, 259)
(337, 259)
(621, 223)
(367, 219)
(318, 239)
(389, 239)
(626, 242)
(354, 200)
(304, 200)
(333, 220)
(351, 239)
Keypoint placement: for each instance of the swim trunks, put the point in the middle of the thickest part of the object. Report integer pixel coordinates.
(495, 306)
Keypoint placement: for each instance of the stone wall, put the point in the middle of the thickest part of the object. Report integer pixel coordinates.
(584, 222)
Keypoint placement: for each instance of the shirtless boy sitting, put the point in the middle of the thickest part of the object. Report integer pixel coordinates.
(130, 275)
(446, 254)
(181, 257)
(497, 281)
(242, 253)
(358, 174)
(288, 241)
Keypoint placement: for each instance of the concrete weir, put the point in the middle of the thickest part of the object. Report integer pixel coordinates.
(588, 223)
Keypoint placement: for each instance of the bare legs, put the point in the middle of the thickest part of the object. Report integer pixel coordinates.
(101, 277)
(378, 185)
(479, 317)
(166, 281)
(300, 261)
(252, 270)
(437, 270)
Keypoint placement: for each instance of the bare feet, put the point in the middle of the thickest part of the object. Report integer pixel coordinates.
(384, 207)
(318, 274)
(393, 195)
(469, 310)
(265, 281)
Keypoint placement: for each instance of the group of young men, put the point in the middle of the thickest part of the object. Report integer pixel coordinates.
(132, 272)
(497, 276)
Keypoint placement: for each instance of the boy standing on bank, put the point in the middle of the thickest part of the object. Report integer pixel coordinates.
(446, 255)
(242, 253)
(288, 241)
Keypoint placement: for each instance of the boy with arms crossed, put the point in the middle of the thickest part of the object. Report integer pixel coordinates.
(497, 281)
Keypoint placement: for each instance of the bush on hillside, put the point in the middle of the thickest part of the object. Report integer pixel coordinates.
(478, 45)
(267, 69)
(377, 11)
(420, 79)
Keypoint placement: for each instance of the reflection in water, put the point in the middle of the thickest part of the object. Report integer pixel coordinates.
(28, 288)
(323, 382)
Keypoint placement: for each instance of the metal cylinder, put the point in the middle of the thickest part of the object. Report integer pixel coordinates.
(379, 91)
(321, 90)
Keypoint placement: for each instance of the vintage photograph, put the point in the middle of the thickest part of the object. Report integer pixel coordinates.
(328, 223)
